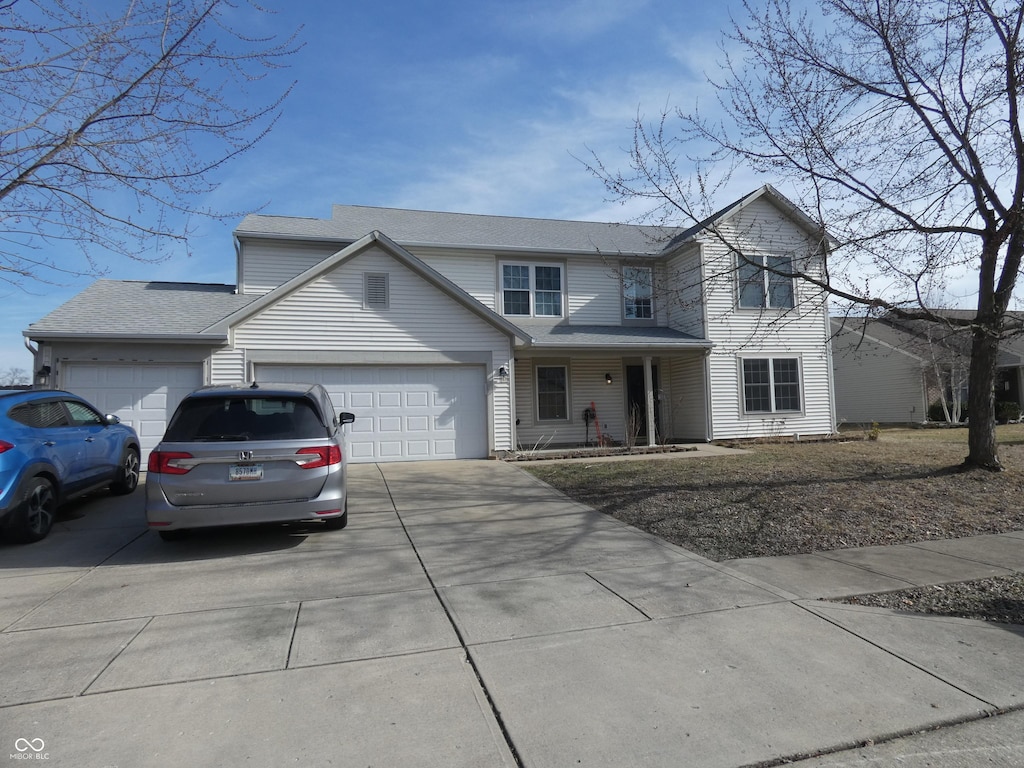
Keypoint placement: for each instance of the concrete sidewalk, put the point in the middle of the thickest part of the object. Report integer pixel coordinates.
(471, 616)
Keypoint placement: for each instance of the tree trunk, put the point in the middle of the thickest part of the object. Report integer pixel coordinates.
(981, 400)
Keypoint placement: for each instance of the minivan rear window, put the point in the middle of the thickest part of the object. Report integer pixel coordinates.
(244, 418)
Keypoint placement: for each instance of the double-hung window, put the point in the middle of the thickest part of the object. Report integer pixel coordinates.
(552, 393)
(771, 385)
(637, 293)
(531, 290)
(760, 285)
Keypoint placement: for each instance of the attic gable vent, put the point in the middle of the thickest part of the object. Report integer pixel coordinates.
(375, 290)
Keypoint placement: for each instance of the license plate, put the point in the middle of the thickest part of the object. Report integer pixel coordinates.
(245, 472)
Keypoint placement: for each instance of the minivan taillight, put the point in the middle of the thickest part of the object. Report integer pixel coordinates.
(167, 462)
(320, 456)
(5, 446)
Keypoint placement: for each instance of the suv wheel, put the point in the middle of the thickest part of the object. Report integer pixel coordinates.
(128, 473)
(33, 515)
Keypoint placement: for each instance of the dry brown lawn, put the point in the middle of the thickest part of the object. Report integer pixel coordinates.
(794, 498)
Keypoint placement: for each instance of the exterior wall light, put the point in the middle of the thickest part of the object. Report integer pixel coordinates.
(503, 372)
(607, 378)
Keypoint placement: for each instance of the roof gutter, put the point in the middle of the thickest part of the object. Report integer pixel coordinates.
(407, 244)
(189, 338)
(632, 346)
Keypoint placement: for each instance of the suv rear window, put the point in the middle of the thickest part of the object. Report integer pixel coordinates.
(244, 418)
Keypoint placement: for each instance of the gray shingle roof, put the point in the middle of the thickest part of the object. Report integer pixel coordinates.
(135, 309)
(427, 228)
(605, 336)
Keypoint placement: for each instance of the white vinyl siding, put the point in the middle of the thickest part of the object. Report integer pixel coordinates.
(684, 299)
(267, 264)
(227, 366)
(586, 387)
(473, 272)
(327, 314)
(689, 413)
(801, 332)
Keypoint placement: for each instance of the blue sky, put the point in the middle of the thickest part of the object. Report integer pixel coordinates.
(477, 107)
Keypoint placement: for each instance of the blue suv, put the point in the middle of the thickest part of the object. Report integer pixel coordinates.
(55, 446)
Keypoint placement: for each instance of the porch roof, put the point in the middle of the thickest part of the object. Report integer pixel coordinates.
(610, 337)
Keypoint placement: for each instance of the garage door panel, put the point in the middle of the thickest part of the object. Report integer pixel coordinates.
(390, 424)
(359, 399)
(444, 447)
(417, 399)
(403, 412)
(417, 424)
(142, 395)
(360, 426)
(391, 449)
(389, 399)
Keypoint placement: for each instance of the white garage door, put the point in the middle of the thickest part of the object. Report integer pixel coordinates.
(143, 396)
(403, 413)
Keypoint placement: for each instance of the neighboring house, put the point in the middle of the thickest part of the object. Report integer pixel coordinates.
(464, 336)
(890, 371)
(880, 374)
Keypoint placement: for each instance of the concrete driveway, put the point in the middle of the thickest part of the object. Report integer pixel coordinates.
(468, 616)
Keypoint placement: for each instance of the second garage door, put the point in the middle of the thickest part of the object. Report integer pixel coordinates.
(403, 413)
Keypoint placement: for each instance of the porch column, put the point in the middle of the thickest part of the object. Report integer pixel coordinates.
(652, 438)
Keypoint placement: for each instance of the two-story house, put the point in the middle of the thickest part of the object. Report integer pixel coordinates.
(464, 336)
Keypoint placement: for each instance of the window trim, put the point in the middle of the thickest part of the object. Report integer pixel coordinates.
(774, 411)
(532, 289)
(745, 260)
(622, 291)
(537, 393)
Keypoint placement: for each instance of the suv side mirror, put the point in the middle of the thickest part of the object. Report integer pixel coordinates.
(110, 419)
(346, 418)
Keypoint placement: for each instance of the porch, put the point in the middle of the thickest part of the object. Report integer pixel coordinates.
(586, 398)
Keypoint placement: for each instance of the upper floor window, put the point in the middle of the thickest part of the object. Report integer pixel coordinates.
(531, 290)
(771, 385)
(637, 293)
(762, 288)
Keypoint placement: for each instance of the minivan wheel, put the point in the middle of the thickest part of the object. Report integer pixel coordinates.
(176, 535)
(33, 516)
(128, 473)
(339, 522)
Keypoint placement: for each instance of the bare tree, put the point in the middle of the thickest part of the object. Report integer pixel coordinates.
(14, 377)
(116, 115)
(899, 123)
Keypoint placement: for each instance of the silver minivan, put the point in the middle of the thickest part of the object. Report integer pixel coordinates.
(249, 453)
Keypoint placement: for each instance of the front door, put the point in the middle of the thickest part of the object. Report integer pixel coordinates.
(636, 403)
